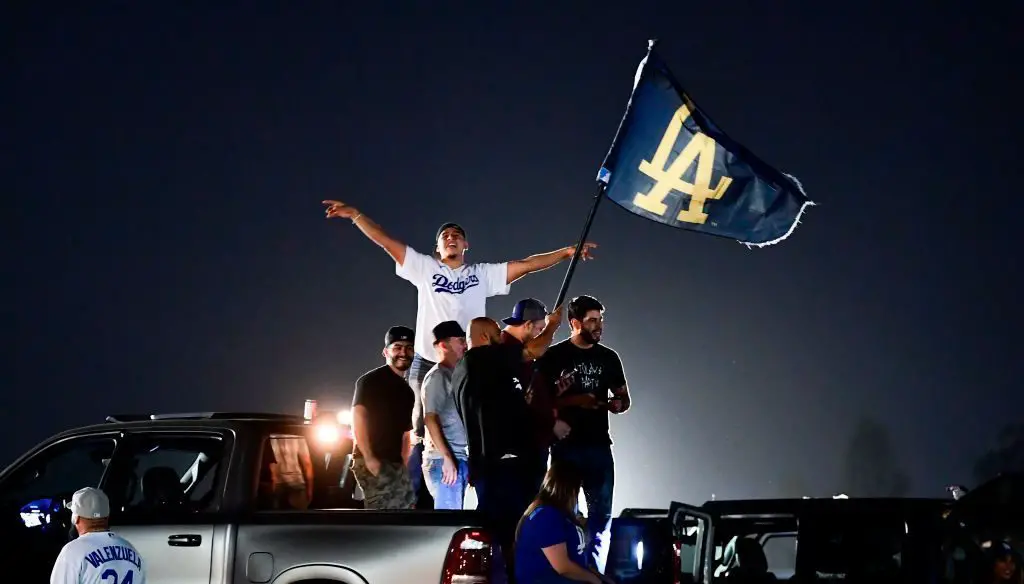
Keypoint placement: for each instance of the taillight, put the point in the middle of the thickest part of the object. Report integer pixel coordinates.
(677, 564)
(470, 558)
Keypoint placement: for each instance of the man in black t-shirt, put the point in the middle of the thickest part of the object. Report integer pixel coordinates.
(589, 381)
(381, 420)
(491, 401)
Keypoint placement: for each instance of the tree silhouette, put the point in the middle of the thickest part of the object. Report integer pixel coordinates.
(870, 468)
(1006, 456)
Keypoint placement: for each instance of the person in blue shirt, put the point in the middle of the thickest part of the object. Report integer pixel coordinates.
(550, 541)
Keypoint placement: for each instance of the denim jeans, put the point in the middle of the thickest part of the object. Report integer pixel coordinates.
(445, 496)
(417, 371)
(597, 467)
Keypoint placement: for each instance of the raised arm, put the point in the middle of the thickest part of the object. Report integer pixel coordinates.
(542, 261)
(395, 248)
(536, 347)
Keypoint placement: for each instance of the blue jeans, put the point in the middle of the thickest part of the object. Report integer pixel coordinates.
(445, 496)
(417, 371)
(597, 467)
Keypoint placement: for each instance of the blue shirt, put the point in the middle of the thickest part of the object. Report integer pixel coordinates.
(544, 527)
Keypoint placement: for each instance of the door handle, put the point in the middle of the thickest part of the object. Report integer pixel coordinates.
(185, 540)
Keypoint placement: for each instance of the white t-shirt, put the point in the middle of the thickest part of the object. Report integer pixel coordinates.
(98, 557)
(446, 294)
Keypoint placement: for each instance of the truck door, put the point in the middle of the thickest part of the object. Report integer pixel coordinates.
(164, 492)
(693, 531)
(34, 520)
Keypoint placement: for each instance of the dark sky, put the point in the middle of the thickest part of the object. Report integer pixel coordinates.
(166, 248)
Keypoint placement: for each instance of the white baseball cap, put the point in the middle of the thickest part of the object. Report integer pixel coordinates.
(89, 503)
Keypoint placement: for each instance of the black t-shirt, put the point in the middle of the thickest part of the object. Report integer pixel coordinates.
(571, 370)
(491, 402)
(388, 400)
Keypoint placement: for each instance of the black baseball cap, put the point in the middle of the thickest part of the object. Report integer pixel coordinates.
(441, 229)
(399, 333)
(447, 330)
(526, 310)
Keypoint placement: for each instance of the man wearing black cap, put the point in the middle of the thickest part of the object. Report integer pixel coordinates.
(445, 449)
(525, 325)
(381, 420)
(449, 289)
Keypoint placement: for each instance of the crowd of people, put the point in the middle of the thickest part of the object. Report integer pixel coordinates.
(461, 401)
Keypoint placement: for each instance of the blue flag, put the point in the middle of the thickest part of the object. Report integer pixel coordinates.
(671, 164)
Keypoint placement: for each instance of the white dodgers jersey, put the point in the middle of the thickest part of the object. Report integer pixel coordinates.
(99, 557)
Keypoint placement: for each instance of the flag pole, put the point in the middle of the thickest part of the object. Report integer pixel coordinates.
(579, 245)
(602, 184)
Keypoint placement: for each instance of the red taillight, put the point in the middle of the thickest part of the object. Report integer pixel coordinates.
(677, 564)
(470, 558)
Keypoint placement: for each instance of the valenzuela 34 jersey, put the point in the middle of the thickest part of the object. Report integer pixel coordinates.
(99, 557)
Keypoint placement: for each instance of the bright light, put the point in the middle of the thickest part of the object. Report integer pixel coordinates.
(345, 417)
(639, 555)
(327, 433)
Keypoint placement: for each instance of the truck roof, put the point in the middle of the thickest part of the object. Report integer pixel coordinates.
(184, 419)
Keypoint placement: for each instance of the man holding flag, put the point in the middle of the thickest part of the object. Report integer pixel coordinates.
(449, 289)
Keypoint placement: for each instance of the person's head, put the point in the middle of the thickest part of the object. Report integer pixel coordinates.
(451, 242)
(90, 510)
(483, 331)
(561, 487)
(586, 317)
(398, 348)
(1003, 562)
(450, 341)
(527, 320)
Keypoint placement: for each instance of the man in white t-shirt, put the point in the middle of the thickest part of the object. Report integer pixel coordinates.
(96, 556)
(449, 289)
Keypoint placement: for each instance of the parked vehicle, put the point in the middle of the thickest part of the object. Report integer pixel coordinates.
(832, 539)
(777, 540)
(194, 494)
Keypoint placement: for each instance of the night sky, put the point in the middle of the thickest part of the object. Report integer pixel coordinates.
(166, 249)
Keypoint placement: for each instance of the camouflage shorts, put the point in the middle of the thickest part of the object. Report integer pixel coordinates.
(390, 489)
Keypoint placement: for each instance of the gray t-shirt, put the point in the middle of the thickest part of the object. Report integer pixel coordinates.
(439, 399)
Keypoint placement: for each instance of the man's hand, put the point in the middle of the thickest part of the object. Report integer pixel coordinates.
(449, 471)
(616, 406)
(339, 209)
(554, 318)
(561, 429)
(585, 255)
(372, 465)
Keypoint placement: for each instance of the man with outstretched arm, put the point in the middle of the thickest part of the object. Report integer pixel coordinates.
(449, 289)
(525, 324)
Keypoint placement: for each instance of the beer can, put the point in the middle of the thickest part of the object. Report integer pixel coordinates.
(309, 410)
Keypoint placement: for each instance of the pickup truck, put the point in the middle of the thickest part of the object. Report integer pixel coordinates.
(194, 494)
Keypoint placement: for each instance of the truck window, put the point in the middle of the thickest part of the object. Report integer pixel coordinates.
(43, 483)
(296, 474)
(169, 473)
(780, 551)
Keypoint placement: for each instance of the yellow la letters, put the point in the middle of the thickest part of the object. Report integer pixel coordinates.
(668, 178)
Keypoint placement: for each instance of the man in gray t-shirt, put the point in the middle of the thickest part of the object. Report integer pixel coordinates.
(446, 449)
